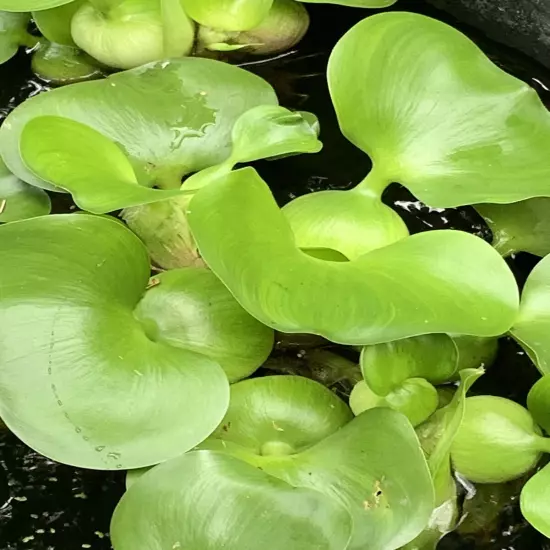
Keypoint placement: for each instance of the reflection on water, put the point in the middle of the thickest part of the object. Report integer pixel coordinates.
(46, 506)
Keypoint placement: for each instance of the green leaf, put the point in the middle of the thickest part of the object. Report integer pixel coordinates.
(129, 33)
(177, 29)
(62, 65)
(475, 352)
(170, 118)
(13, 28)
(533, 323)
(373, 465)
(433, 357)
(226, 504)
(349, 222)
(535, 501)
(416, 398)
(244, 238)
(18, 200)
(520, 227)
(281, 415)
(83, 380)
(55, 23)
(31, 5)
(64, 153)
(228, 15)
(436, 115)
(191, 309)
(538, 403)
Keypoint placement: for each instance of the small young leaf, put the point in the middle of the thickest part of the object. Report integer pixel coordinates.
(244, 238)
(65, 153)
(13, 28)
(535, 501)
(519, 227)
(18, 200)
(226, 504)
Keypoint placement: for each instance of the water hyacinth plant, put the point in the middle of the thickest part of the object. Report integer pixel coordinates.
(133, 331)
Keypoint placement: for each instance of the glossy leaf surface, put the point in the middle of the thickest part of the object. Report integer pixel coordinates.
(532, 326)
(31, 5)
(18, 200)
(535, 501)
(170, 118)
(13, 27)
(226, 504)
(83, 380)
(64, 153)
(373, 465)
(228, 15)
(519, 227)
(436, 115)
(244, 238)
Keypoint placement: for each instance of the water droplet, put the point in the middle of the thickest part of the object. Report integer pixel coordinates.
(59, 402)
(78, 430)
(114, 456)
(100, 448)
(118, 466)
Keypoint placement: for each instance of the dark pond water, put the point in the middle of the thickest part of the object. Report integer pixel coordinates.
(47, 506)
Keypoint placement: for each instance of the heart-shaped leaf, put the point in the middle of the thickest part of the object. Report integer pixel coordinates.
(228, 504)
(535, 501)
(519, 227)
(31, 5)
(13, 27)
(95, 373)
(532, 326)
(245, 239)
(64, 153)
(170, 118)
(373, 464)
(228, 15)
(18, 200)
(55, 23)
(436, 115)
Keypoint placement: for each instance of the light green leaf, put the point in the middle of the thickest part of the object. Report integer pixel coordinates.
(228, 15)
(55, 23)
(475, 352)
(65, 153)
(520, 227)
(535, 501)
(436, 115)
(532, 326)
(13, 28)
(226, 504)
(244, 238)
(191, 309)
(373, 465)
(281, 415)
(31, 5)
(83, 380)
(538, 403)
(178, 29)
(170, 118)
(349, 222)
(433, 357)
(416, 398)
(128, 33)
(18, 200)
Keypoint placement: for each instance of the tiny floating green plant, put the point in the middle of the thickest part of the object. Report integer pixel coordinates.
(153, 374)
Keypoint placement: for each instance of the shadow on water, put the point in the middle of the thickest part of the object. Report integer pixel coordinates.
(47, 506)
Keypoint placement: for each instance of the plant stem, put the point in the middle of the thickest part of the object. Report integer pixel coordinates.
(543, 444)
(374, 184)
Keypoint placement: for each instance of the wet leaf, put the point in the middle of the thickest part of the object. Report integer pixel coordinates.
(13, 27)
